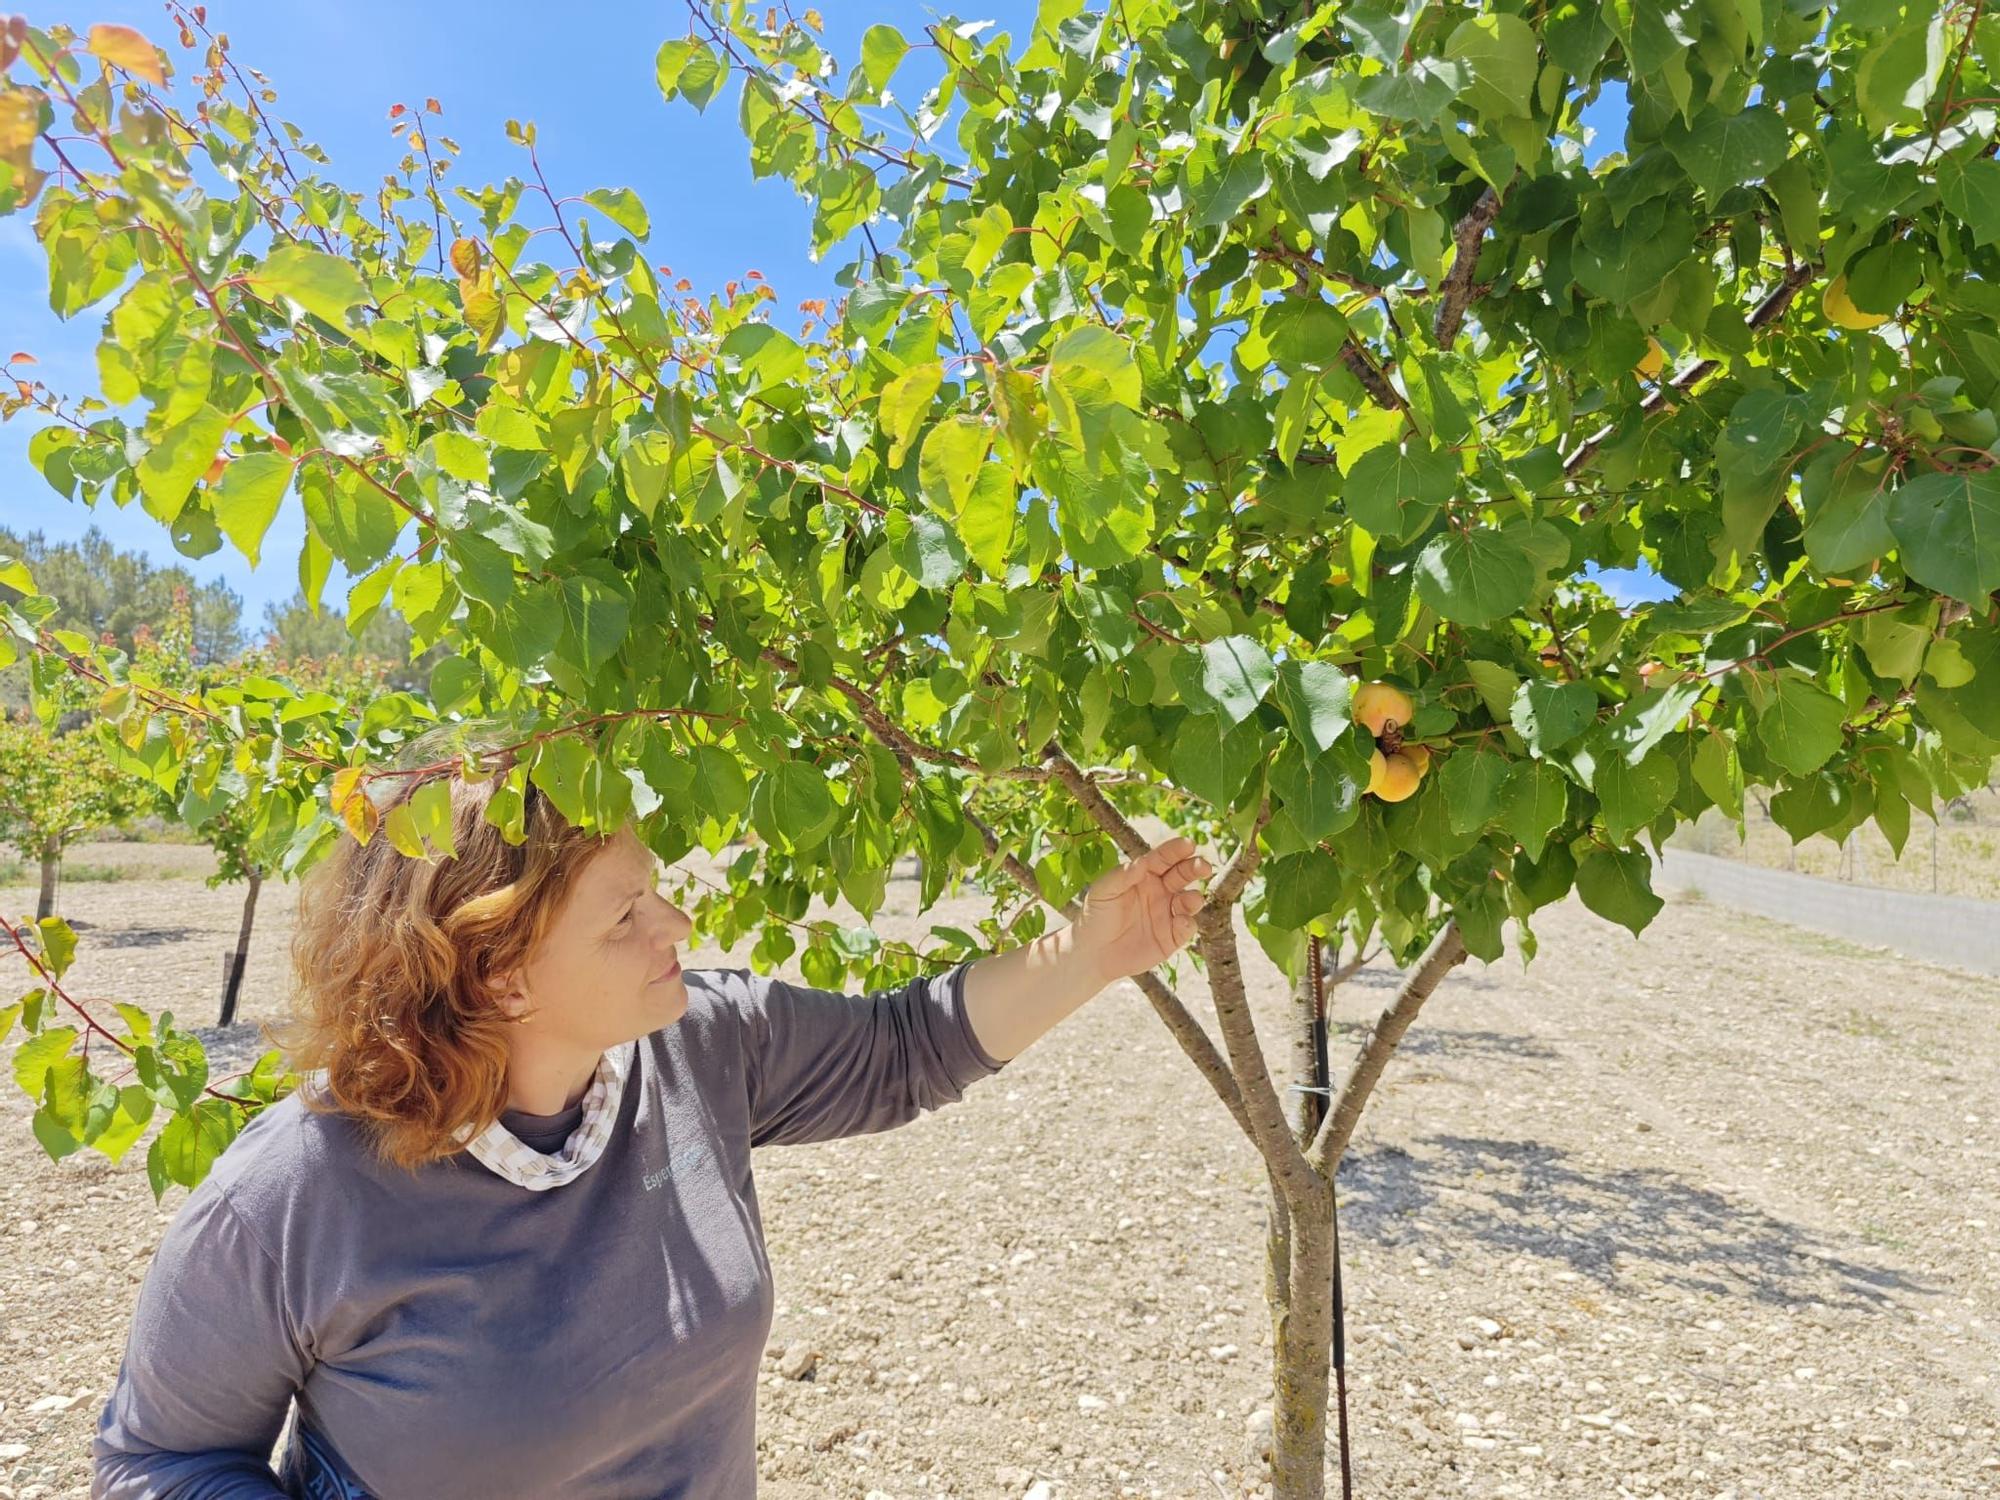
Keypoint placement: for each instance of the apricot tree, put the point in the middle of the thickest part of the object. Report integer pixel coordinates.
(1196, 360)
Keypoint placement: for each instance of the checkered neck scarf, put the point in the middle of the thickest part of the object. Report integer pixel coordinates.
(502, 1152)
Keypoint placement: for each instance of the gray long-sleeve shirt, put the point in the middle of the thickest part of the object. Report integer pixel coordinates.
(449, 1334)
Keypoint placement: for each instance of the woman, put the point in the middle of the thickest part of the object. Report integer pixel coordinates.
(506, 1241)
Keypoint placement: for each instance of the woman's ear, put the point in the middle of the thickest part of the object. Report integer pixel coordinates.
(511, 995)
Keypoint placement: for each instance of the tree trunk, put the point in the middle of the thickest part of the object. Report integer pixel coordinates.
(1301, 1349)
(235, 982)
(51, 868)
(1301, 1239)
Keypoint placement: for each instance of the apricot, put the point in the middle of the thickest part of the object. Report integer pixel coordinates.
(1418, 756)
(1393, 777)
(1653, 360)
(1379, 703)
(1839, 307)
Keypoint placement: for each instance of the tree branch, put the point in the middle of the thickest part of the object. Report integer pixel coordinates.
(1767, 312)
(1446, 952)
(1457, 286)
(1166, 1004)
(1215, 924)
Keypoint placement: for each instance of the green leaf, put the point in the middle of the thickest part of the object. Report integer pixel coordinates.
(1897, 75)
(1092, 368)
(1807, 807)
(190, 1142)
(1723, 150)
(1304, 333)
(764, 355)
(1978, 699)
(718, 785)
(1320, 792)
(1763, 429)
(691, 70)
(1470, 783)
(1630, 796)
(1970, 188)
(324, 285)
(1503, 57)
(594, 612)
(247, 499)
(178, 457)
(1422, 92)
(1395, 490)
(1895, 640)
(55, 1140)
(1228, 676)
(949, 465)
(1847, 511)
(1649, 716)
(1947, 528)
(38, 1054)
(1622, 262)
(1218, 192)
(1718, 772)
(882, 48)
(986, 524)
(1299, 888)
(1212, 760)
(623, 208)
(58, 944)
(903, 405)
(1800, 724)
(1475, 578)
(792, 807)
(1548, 715)
(1315, 696)
(1617, 884)
(127, 1123)
(1533, 804)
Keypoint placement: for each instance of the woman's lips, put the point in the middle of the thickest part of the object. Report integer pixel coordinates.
(669, 974)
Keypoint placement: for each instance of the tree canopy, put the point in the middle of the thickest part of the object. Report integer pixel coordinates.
(1195, 361)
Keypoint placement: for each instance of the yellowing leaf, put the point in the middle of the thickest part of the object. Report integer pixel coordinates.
(125, 48)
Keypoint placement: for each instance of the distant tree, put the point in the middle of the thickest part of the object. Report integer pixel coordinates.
(216, 809)
(104, 590)
(295, 632)
(54, 788)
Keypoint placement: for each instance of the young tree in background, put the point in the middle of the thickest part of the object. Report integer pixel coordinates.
(55, 788)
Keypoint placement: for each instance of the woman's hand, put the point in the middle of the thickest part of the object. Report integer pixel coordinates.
(1142, 913)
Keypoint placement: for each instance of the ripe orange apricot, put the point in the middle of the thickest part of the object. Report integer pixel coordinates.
(1393, 777)
(1379, 703)
(1418, 756)
(1653, 360)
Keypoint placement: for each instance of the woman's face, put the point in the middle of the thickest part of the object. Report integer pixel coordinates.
(608, 969)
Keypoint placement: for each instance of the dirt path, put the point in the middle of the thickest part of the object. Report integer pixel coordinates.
(1725, 1199)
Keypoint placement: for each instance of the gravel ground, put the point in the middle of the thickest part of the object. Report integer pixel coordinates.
(1707, 1215)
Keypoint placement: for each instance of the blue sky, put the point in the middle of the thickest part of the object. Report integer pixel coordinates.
(588, 86)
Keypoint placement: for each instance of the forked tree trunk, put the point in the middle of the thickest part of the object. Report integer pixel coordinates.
(51, 871)
(1300, 1239)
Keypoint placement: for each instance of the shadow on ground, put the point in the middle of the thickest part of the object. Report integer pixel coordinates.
(137, 937)
(1604, 1223)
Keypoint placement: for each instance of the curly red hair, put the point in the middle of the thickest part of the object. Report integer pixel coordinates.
(397, 960)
